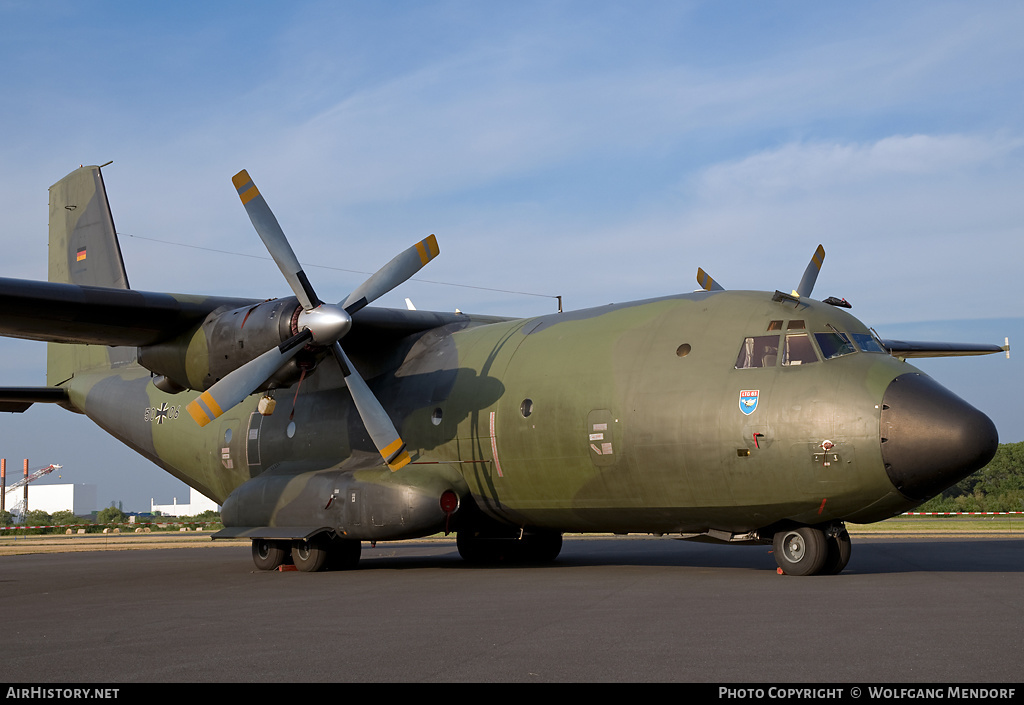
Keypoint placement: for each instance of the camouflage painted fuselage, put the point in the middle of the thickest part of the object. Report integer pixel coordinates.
(586, 421)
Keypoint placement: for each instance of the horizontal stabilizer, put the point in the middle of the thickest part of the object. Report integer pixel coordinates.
(17, 399)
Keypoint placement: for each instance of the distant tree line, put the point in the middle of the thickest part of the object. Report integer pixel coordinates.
(108, 517)
(997, 487)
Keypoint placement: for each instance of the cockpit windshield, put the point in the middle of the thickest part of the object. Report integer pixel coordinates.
(799, 350)
(797, 347)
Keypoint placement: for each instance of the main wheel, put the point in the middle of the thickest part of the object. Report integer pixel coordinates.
(473, 548)
(541, 547)
(344, 554)
(310, 555)
(839, 548)
(267, 554)
(800, 551)
(532, 548)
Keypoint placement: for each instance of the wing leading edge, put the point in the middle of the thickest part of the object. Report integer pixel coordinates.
(917, 348)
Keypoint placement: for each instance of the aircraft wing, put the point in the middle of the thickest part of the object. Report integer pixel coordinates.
(69, 313)
(916, 348)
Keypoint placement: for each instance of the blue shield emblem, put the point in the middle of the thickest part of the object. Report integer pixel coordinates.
(748, 401)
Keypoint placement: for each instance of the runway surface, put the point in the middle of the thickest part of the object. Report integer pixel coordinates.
(610, 609)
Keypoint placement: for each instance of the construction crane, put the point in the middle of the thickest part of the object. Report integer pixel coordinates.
(18, 510)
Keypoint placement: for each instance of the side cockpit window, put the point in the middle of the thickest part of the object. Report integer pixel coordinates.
(758, 351)
(834, 344)
(867, 343)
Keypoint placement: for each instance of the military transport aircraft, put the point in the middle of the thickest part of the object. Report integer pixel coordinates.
(730, 416)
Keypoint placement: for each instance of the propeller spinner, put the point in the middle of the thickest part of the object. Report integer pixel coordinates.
(320, 323)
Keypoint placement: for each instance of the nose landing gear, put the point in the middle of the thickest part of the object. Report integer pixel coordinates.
(811, 550)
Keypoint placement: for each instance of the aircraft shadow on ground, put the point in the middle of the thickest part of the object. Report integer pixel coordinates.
(870, 557)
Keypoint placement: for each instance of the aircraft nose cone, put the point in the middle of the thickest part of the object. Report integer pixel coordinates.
(931, 438)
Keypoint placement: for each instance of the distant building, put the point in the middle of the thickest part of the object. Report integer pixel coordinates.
(80, 498)
(197, 504)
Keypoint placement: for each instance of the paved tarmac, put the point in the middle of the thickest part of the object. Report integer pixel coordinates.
(636, 609)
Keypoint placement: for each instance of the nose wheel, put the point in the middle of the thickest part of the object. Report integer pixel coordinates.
(809, 550)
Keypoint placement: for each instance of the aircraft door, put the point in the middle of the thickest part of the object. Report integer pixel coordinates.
(252, 443)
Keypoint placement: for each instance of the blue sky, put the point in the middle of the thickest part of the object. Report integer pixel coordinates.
(598, 151)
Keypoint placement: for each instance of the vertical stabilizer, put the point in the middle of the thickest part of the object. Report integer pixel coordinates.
(84, 251)
(83, 244)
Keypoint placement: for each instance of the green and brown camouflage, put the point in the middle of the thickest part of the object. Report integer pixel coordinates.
(737, 416)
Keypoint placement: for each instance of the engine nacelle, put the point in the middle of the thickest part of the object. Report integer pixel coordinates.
(225, 341)
(372, 504)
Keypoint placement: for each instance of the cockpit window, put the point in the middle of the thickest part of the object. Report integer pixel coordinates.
(867, 343)
(834, 344)
(759, 351)
(798, 350)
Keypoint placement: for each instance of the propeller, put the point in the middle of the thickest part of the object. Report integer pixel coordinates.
(706, 282)
(803, 289)
(810, 276)
(321, 323)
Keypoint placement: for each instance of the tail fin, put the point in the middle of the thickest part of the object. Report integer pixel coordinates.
(83, 244)
(83, 250)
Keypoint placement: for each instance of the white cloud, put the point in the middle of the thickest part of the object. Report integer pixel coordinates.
(800, 168)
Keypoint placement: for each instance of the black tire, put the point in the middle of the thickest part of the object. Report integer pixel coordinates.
(268, 555)
(541, 548)
(532, 548)
(800, 551)
(310, 555)
(472, 548)
(839, 549)
(344, 554)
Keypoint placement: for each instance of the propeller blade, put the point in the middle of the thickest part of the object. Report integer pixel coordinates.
(273, 237)
(392, 274)
(241, 382)
(810, 274)
(377, 422)
(706, 282)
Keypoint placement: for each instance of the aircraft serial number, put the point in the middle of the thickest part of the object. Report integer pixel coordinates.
(162, 413)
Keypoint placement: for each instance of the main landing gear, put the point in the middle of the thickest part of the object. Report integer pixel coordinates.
(320, 552)
(528, 548)
(811, 550)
